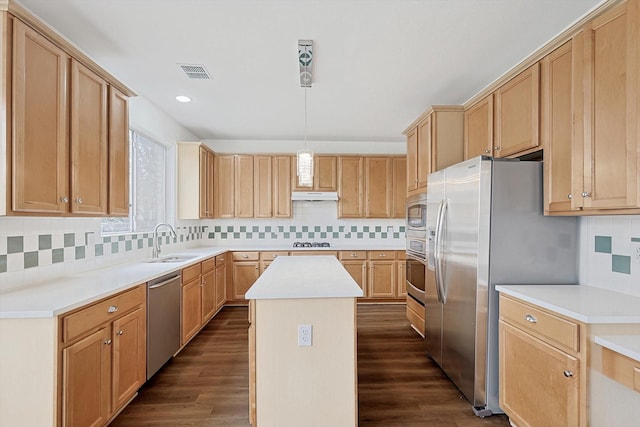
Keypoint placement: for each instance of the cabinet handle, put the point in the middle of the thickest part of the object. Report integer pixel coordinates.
(107, 342)
(383, 255)
(496, 148)
(569, 196)
(275, 256)
(568, 374)
(245, 256)
(586, 194)
(79, 200)
(120, 332)
(529, 318)
(487, 151)
(64, 199)
(112, 309)
(354, 255)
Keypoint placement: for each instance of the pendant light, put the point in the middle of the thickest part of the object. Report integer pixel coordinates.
(304, 168)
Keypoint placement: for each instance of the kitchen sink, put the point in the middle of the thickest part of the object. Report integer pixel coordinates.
(173, 258)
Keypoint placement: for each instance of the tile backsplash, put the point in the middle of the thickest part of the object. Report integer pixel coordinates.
(609, 252)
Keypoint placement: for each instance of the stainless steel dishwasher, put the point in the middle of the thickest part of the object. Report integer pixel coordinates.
(163, 321)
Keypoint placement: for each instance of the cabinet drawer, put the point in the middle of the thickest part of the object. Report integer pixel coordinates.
(621, 368)
(559, 331)
(190, 273)
(401, 255)
(391, 255)
(347, 255)
(220, 259)
(270, 256)
(415, 314)
(86, 319)
(246, 256)
(208, 264)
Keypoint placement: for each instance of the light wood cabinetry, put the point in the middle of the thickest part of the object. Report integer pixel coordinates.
(196, 170)
(415, 315)
(118, 153)
(399, 185)
(517, 114)
(606, 171)
(221, 280)
(434, 141)
(266, 258)
(381, 279)
(325, 176)
(282, 187)
(350, 187)
(66, 126)
(191, 313)
(208, 292)
(478, 129)
(246, 269)
(355, 262)
(262, 187)
(244, 186)
(557, 127)
(378, 185)
(401, 269)
(541, 356)
(224, 186)
(103, 358)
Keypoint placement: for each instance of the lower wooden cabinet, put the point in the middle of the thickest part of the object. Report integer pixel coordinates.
(208, 285)
(355, 262)
(415, 314)
(104, 365)
(246, 269)
(382, 274)
(191, 310)
(221, 280)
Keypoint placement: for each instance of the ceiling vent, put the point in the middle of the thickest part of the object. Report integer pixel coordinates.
(195, 71)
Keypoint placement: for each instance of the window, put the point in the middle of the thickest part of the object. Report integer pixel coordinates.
(147, 160)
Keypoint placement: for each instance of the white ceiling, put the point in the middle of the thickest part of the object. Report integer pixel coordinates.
(378, 64)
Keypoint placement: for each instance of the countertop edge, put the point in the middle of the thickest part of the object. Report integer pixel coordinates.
(608, 341)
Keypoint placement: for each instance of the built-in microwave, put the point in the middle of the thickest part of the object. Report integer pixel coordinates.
(417, 226)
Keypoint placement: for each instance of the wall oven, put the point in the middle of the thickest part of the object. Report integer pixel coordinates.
(417, 247)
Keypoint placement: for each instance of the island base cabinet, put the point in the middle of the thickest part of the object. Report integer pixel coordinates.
(539, 384)
(281, 373)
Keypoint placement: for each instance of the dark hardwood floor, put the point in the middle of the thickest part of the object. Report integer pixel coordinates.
(207, 383)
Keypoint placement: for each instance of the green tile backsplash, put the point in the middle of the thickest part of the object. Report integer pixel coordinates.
(305, 232)
(619, 263)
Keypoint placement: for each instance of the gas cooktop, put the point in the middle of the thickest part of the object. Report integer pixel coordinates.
(311, 245)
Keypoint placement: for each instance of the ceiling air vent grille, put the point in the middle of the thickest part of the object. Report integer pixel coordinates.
(195, 71)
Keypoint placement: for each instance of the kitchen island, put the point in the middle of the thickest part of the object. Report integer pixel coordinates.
(302, 344)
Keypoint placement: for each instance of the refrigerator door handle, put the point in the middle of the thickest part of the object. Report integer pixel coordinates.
(438, 251)
(443, 218)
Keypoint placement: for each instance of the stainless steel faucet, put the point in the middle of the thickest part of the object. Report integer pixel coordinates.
(156, 238)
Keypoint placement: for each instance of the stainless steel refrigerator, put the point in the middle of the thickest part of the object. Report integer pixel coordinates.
(485, 227)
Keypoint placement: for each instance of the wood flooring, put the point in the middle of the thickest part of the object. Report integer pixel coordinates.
(207, 383)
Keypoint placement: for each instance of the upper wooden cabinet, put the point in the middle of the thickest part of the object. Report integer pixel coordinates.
(281, 187)
(556, 120)
(517, 113)
(196, 167)
(434, 141)
(378, 185)
(244, 186)
(478, 129)
(65, 122)
(350, 187)
(325, 176)
(262, 187)
(224, 186)
(607, 140)
(399, 184)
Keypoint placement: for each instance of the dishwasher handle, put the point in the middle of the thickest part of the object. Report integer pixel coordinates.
(153, 285)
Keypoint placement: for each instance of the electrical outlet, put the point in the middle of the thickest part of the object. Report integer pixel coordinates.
(304, 335)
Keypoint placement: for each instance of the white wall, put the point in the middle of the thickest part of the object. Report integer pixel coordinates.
(597, 264)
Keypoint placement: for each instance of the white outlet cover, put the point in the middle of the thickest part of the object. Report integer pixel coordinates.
(305, 333)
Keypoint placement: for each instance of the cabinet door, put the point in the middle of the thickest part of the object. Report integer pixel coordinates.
(425, 130)
(244, 275)
(221, 285)
(350, 199)
(206, 183)
(518, 113)
(401, 283)
(208, 285)
(325, 173)
(262, 187)
(478, 129)
(89, 153)
(210, 196)
(86, 380)
(412, 160)
(557, 128)
(224, 186)
(609, 46)
(382, 279)
(399, 184)
(539, 384)
(118, 153)
(378, 184)
(244, 186)
(40, 148)
(191, 310)
(129, 357)
(358, 270)
(282, 187)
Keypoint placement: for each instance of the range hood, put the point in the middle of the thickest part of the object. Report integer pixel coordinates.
(314, 195)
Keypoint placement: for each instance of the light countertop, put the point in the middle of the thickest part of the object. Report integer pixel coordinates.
(627, 345)
(63, 294)
(586, 304)
(304, 277)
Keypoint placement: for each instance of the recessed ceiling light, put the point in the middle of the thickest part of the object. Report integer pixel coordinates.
(182, 98)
